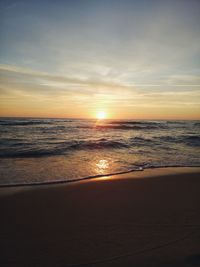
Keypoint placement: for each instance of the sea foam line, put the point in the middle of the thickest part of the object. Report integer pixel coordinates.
(93, 176)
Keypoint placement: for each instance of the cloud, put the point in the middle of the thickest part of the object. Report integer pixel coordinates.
(184, 80)
(18, 72)
(22, 85)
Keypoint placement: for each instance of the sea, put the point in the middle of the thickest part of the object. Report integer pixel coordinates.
(40, 151)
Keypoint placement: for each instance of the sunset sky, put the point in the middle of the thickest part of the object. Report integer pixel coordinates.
(132, 59)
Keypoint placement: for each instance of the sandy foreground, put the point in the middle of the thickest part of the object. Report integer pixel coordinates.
(149, 218)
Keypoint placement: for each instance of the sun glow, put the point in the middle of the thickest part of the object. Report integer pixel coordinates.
(101, 115)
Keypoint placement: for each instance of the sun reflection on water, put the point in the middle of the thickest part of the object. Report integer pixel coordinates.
(102, 166)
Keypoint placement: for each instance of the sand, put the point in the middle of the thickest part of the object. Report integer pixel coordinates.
(149, 218)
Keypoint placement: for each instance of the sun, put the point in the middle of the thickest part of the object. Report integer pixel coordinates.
(101, 115)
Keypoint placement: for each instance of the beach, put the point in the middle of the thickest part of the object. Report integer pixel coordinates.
(148, 218)
(100, 133)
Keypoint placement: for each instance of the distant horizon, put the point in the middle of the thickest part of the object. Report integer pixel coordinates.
(71, 118)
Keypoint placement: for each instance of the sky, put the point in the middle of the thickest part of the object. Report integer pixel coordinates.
(132, 59)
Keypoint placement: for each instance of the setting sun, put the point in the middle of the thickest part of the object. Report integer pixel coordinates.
(101, 115)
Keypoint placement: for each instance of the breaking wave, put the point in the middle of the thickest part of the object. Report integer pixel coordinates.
(58, 148)
(51, 146)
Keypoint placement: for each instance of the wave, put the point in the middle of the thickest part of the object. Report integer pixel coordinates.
(191, 140)
(123, 127)
(99, 144)
(23, 123)
(59, 148)
(18, 148)
(140, 139)
(159, 124)
(136, 122)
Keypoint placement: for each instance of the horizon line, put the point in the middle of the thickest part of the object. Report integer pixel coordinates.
(71, 118)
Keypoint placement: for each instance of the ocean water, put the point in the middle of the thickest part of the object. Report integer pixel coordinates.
(52, 150)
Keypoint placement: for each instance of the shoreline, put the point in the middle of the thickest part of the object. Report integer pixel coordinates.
(148, 218)
(168, 169)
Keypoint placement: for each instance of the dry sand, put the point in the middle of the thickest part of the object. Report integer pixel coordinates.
(149, 218)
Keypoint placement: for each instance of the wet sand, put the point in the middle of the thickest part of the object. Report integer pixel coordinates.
(149, 218)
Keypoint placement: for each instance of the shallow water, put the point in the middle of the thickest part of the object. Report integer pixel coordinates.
(47, 150)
